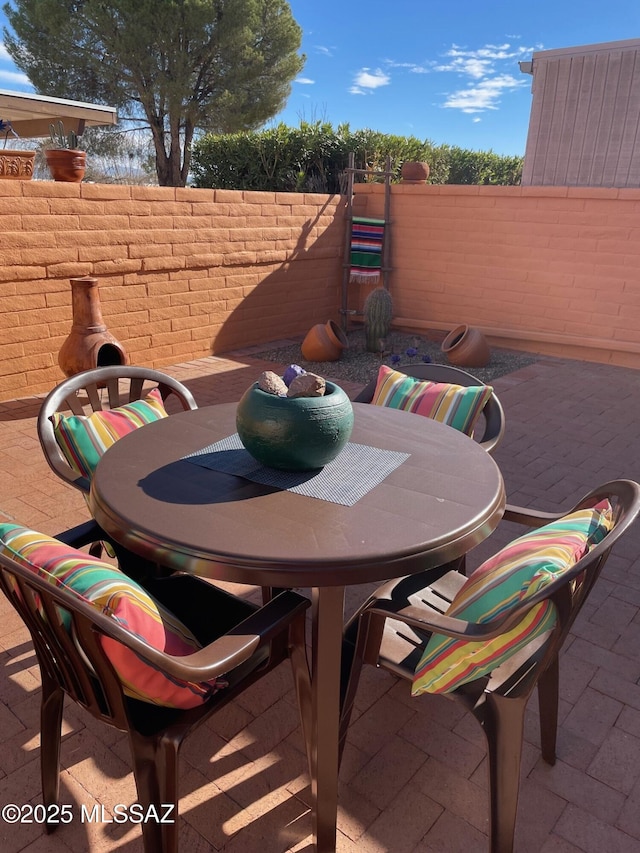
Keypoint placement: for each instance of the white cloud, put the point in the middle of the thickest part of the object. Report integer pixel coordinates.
(471, 66)
(16, 78)
(485, 96)
(323, 49)
(366, 81)
(305, 81)
(489, 67)
(489, 70)
(491, 52)
(391, 63)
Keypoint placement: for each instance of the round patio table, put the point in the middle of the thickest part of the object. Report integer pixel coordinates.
(444, 497)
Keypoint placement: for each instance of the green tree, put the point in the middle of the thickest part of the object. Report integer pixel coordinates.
(180, 66)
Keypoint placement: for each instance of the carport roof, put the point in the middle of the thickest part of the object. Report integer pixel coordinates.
(30, 115)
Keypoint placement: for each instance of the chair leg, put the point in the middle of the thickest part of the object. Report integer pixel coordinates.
(351, 669)
(503, 724)
(301, 678)
(169, 747)
(548, 687)
(155, 768)
(50, 733)
(358, 639)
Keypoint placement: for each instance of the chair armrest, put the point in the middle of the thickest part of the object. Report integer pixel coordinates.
(228, 651)
(433, 622)
(530, 517)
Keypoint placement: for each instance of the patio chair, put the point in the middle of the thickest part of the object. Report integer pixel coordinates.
(84, 414)
(101, 389)
(77, 611)
(492, 412)
(486, 641)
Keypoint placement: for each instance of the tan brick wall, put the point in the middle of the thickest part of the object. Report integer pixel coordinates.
(547, 269)
(184, 273)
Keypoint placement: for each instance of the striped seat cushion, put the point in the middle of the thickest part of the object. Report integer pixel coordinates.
(455, 405)
(114, 593)
(501, 583)
(84, 438)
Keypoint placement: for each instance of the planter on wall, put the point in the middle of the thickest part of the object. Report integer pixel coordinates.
(413, 172)
(324, 342)
(466, 346)
(16, 165)
(66, 164)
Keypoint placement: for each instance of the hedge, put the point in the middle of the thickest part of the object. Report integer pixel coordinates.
(313, 157)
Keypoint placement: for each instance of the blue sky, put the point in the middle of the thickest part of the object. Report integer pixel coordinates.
(447, 72)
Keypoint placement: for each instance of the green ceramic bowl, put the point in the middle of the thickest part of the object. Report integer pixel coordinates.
(294, 433)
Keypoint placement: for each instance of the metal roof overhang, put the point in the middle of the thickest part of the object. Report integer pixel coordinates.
(30, 115)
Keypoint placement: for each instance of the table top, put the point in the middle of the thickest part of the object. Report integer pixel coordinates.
(442, 501)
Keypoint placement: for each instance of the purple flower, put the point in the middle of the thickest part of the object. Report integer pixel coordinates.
(395, 358)
(426, 358)
(412, 352)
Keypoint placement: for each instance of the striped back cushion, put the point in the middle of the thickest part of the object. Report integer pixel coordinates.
(454, 405)
(512, 575)
(84, 438)
(114, 593)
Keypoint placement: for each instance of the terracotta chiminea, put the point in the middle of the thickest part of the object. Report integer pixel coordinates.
(89, 344)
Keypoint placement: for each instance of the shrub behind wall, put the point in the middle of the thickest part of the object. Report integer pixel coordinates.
(313, 157)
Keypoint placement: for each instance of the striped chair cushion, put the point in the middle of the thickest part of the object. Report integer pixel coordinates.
(454, 405)
(114, 593)
(84, 438)
(512, 575)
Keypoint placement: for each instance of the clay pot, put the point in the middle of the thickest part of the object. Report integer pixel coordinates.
(294, 433)
(466, 346)
(413, 172)
(89, 344)
(324, 342)
(16, 165)
(66, 164)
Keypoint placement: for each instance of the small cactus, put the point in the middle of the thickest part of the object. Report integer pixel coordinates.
(60, 139)
(378, 312)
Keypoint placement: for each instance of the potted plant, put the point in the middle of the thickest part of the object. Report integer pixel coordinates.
(15, 164)
(65, 160)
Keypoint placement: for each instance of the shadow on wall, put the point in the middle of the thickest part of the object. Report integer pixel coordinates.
(303, 289)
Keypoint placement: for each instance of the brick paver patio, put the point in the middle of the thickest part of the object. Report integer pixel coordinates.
(413, 777)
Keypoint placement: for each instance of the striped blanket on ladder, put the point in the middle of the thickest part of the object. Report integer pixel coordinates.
(367, 236)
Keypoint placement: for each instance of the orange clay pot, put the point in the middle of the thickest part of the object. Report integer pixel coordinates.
(413, 172)
(324, 342)
(465, 346)
(66, 164)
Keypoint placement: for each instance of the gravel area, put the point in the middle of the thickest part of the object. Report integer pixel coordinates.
(358, 365)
